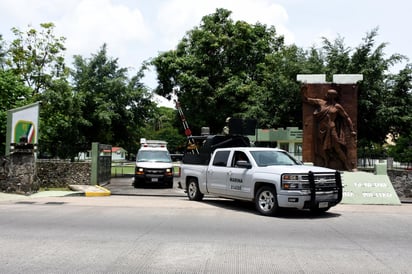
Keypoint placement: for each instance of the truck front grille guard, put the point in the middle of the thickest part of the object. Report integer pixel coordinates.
(312, 187)
(339, 185)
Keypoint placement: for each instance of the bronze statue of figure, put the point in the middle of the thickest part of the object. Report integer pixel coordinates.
(333, 128)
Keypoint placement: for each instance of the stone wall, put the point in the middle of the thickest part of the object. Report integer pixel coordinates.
(62, 174)
(402, 182)
(17, 173)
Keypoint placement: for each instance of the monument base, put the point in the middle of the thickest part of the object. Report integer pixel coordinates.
(368, 189)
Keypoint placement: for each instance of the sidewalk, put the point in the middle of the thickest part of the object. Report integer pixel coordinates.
(76, 190)
(88, 191)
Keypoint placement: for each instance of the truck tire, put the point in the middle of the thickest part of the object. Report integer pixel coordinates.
(193, 192)
(266, 201)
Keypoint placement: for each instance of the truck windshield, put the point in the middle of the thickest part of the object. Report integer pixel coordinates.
(273, 158)
(153, 156)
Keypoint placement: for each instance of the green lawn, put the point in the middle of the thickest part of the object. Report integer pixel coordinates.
(120, 170)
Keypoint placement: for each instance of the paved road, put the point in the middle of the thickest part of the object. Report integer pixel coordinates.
(123, 186)
(169, 234)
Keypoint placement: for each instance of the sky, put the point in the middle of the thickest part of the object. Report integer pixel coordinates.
(137, 30)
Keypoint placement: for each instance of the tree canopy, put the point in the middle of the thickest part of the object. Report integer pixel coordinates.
(114, 109)
(217, 69)
(225, 69)
(94, 102)
(221, 68)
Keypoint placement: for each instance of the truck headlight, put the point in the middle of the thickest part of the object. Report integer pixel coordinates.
(291, 186)
(140, 171)
(290, 177)
(293, 182)
(169, 172)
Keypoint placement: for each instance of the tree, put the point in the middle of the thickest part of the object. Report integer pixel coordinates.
(370, 61)
(113, 108)
(396, 108)
(34, 60)
(37, 57)
(217, 70)
(61, 118)
(375, 91)
(13, 93)
(162, 126)
(402, 151)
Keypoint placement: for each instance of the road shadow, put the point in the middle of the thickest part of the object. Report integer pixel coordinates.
(285, 213)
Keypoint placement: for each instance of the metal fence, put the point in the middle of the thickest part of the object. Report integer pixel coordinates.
(391, 164)
(370, 162)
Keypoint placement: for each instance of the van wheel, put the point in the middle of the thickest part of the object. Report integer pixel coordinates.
(137, 184)
(193, 192)
(266, 201)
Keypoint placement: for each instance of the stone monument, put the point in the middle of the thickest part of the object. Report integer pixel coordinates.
(329, 121)
(329, 138)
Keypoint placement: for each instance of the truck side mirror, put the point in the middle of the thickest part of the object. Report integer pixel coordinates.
(243, 164)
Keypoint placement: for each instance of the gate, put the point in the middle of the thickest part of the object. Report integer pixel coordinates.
(101, 164)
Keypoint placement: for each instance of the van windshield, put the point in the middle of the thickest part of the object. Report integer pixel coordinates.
(153, 156)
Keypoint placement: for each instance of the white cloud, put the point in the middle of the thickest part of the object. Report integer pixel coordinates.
(178, 16)
(137, 30)
(95, 22)
(130, 35)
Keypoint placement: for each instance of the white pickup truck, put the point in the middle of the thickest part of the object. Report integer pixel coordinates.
(269, 177)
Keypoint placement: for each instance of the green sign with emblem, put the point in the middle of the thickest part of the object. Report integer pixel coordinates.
(22, 122)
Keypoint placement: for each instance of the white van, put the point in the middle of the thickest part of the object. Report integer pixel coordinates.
(153, 164)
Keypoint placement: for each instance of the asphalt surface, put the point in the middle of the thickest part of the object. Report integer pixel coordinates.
(123, 186)
(139, 233)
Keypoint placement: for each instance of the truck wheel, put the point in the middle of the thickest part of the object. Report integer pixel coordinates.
(266, 202)
(193, 192)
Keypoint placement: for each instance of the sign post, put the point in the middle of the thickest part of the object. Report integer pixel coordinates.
(22, 122)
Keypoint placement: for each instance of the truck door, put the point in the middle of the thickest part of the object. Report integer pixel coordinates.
(217, 173)
(239, 178)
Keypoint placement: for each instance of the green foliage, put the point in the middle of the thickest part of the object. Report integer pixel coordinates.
(113, 108)
(13, 94)
(34, 70)
(99, 104)
(369, 60)
(217, 70)
(161, 127)
(61, 117)
(402, 151)
(396, 109)
(37, 57)
(225, 69)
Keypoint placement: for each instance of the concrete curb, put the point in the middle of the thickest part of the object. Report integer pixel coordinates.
(101, 192)
(91, 190)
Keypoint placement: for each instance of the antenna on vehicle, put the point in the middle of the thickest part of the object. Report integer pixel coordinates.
(188, 132)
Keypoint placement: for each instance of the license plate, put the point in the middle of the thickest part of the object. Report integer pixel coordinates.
(323, 204)
(154, 180)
